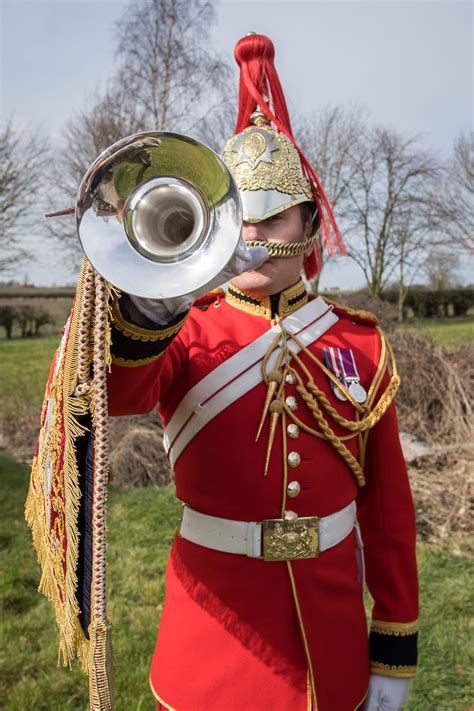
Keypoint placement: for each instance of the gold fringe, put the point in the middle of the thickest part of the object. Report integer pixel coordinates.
(57, 450)
(72, 642)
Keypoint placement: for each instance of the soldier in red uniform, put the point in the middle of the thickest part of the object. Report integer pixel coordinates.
(282, 432)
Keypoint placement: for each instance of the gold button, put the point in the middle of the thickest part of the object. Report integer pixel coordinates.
(290, 516)
(292, 403)
(293, 489)
(290, 378)
(294, 459)
(293, 431)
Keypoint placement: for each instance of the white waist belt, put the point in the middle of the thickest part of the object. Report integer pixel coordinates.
(291, 538)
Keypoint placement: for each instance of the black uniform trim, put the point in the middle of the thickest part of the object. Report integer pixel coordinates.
(282, 304)
(136, 344)
(393, 654)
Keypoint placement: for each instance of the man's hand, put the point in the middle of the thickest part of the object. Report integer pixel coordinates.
(243, 260)
(386, 693)
(164, 310)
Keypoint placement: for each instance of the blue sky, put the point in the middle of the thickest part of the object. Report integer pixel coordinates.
(409, 62)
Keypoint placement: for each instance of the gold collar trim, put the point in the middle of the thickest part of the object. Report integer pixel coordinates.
(288, 301)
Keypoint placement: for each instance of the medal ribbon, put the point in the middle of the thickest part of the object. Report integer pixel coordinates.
(348, 366)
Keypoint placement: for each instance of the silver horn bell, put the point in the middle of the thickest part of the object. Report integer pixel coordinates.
(158, 214)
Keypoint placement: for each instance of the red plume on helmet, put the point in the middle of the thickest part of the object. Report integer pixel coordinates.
(260, 89)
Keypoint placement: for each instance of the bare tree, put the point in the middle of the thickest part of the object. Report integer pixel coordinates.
(22, 178)
(168, 64)
(454, 198)
(387, 213)
(330, 139)
(167, 78)
(413, 235)
(440, 268)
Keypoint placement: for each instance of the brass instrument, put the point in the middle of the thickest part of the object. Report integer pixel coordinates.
(158, 214)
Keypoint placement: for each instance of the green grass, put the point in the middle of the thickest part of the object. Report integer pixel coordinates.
(141, 525)
(23, 374)
(451, 333)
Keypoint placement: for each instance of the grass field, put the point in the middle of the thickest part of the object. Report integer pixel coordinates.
(449, 332)
(141, 525)
(25, 367)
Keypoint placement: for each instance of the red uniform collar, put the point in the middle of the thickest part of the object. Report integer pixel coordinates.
(281, 304)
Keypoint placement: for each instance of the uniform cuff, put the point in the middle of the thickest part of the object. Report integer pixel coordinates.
(136, 344)
(393, 648)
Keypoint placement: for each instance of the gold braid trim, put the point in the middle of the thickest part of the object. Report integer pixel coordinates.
(309, 430)
(289, 301)
(399, 629)
(401, 670)
(329, 434)
(373, 416)
(284, 249)
(326, 431)
(128, 363)
(100, 629)
(158, 698)
(311, 394)
(86, 330)
(296, 294)
(101, 691)
(366, 415)
(137, 333)
(256, 306)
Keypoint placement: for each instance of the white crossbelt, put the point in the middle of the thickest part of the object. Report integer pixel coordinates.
(239, 374)
(245, 537)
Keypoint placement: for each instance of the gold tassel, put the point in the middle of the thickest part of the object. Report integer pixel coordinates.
(274, 380)
(276, 408)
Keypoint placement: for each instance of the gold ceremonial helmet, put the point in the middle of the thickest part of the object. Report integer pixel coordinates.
(267, 169)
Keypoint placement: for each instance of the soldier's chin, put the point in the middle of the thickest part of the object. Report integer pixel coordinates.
(254, 280)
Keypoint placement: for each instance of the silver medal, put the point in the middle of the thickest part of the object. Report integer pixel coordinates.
(357, 391)
(338, 393)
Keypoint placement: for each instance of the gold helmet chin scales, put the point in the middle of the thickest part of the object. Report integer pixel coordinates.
(284, 249)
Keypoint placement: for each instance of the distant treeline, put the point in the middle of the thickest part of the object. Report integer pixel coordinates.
(433, 303)
(28, 318)
(30, 311)
(25, 316)
(36, 292)
(420, 302)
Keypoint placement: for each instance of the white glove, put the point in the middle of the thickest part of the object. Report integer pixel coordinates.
(386, 693)
(162, 311)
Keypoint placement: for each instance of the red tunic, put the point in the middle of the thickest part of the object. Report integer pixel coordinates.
(238, 633)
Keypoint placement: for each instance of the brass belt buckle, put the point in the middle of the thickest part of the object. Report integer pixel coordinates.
(290, 538)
